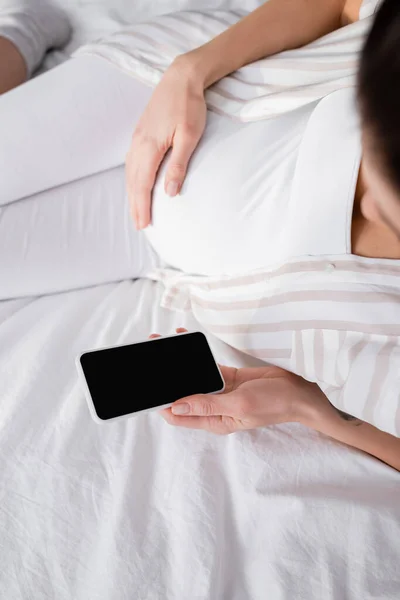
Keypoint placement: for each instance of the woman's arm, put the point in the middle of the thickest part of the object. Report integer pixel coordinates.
(352, 431)
(263, 396)
(276, 26)
(176, 115)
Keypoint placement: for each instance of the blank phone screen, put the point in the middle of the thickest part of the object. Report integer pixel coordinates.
(136, 377)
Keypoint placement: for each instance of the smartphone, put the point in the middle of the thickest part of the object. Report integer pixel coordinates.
(123, 381)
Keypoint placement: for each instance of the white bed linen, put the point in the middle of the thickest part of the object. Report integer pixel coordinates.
(138, 509)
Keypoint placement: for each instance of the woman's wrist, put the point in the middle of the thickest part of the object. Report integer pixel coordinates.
(198, 68)
(309, 404)
(184, 68)
(360, 435)
(319, 414)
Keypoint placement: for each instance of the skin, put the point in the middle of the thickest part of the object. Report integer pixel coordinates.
(12, 66)
(376, 214)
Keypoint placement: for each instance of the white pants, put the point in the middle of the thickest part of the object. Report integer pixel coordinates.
(64, 220)
(64, 217)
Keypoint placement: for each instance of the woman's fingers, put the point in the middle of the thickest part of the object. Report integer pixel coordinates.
(208, 405)
(218, 425)
(175, 117)
(184, 144)
(143, 162)
(178, 330)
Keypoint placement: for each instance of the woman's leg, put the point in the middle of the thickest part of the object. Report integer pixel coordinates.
(61, 225)
(28, 28)
(72, 122)
(13, 69)
(76, 235)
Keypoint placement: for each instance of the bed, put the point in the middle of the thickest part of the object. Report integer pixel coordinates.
(138, 510)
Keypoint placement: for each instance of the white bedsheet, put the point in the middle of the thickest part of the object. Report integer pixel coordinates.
(140, 510)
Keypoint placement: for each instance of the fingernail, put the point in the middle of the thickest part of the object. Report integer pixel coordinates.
(172, 188)
(180, 409)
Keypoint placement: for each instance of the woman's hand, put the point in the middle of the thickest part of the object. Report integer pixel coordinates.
(176, 114)
(253, 397)
(269, 395)
(174, 118)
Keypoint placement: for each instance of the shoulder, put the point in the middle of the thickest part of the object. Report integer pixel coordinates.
(351, 11)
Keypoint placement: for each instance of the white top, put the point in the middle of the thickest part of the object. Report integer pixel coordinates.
(261, 193)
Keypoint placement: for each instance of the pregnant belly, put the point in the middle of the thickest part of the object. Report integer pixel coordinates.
(230, 215)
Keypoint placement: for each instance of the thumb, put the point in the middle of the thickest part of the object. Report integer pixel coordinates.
(183, 147)
(202, 405)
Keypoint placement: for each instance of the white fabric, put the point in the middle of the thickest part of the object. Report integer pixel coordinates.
(263, 89)
(141, 10)
(369, 7)
(332, 319)
(139, 509)
(95, 19)
(65, 225)
(33, 28)
(104, 115)
(73, 236)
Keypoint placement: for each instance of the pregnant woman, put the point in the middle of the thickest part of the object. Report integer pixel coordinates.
(282, 232)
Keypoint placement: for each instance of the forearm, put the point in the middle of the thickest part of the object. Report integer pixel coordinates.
(354, 432)
(275, 26)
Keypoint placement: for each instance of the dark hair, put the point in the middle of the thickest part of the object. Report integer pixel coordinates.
(379, 87)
